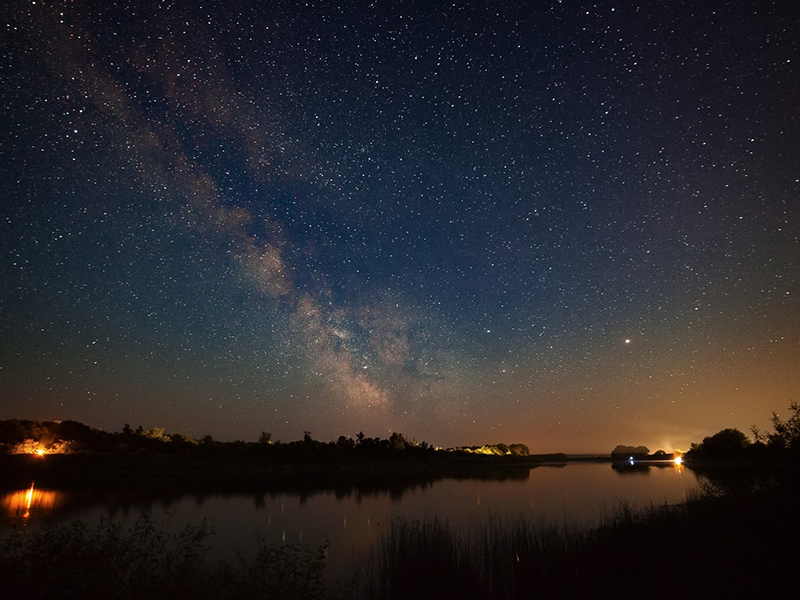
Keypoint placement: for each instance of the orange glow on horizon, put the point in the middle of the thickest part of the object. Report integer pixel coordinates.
(40, 448)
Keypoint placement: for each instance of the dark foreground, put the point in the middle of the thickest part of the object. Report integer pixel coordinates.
(738, 540)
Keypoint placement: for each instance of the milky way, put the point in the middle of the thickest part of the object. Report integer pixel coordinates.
(564, 224)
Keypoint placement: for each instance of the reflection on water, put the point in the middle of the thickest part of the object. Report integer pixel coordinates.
(23, 504)
(625, 468)
(643, 468)
(351, 510)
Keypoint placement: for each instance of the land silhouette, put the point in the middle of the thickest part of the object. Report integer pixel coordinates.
(20, 436)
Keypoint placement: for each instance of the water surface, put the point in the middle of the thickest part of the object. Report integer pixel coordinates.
(351, 517)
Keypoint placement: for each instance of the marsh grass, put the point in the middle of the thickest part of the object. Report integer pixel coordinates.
(709, 546)
(498, 558)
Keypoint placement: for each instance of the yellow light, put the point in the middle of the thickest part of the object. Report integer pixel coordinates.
(678, 460)
(40, 452)
(28, 500)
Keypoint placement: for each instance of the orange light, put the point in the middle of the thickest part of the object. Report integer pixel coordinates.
(30, 502)
(40, 452)
(678, 460)
(28, 499)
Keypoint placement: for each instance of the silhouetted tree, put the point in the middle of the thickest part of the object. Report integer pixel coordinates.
(787, 433)
(265, 438)
(519, 450)
(181, 439)
(397, 441)
(345, 443)
(12, 432)
(77, 432)
(728, 443)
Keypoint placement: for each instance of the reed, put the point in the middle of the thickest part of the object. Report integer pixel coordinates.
(706, 546)
(498, 558)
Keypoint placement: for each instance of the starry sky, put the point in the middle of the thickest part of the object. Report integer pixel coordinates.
(567, 224)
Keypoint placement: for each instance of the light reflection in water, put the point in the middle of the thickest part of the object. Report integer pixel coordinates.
(352, 522)
(31, 502)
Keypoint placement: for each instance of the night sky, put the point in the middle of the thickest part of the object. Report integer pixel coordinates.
(566, 224)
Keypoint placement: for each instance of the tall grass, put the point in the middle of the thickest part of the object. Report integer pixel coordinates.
(742, 546)
(498, 558)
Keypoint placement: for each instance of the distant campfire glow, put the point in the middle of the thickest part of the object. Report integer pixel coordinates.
(36, 448)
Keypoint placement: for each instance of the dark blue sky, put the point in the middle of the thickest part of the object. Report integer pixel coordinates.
(570, 225)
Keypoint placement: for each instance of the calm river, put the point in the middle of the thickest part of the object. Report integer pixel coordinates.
(352, 518)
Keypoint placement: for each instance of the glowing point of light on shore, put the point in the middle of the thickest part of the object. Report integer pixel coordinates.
(678, 460)
(40, 452)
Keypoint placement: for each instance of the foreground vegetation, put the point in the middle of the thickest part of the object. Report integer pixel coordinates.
(76, 561)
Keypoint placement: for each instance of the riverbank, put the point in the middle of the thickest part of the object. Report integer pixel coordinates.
(248, 469)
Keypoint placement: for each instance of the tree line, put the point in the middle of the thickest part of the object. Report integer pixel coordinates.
(783, 443)
(20, 436)
(732, 444)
